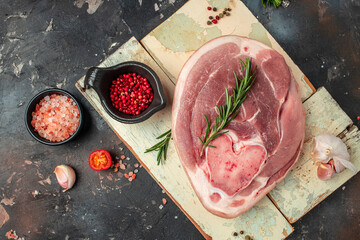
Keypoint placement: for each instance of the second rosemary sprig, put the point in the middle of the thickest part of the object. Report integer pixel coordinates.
(275, 3)
(161, 147)
(228, 111)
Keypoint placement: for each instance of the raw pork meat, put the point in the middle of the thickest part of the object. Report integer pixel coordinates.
(264, 140)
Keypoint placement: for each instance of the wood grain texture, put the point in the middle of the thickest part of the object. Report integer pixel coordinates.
(263, 221)
(174, 41)
(301, 190)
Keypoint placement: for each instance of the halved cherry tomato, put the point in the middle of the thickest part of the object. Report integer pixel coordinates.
(100, 160)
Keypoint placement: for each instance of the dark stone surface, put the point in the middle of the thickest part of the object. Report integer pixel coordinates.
(322, 37)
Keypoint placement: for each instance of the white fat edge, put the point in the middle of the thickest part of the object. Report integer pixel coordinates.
(216, 110)
(200, 182)
(282, 102)
(241, 144)
(262, 180)
(176, 101)
(212, 44)
(272, 87)
(280, 128)
(254, 116)
(255, 47)
(255, 140)
(233, 135)
(279, 124)
(204, 190)
(243, 109)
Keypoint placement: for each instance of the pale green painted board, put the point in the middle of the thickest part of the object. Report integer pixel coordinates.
(263, 221)
(173, 42)
(301, 190)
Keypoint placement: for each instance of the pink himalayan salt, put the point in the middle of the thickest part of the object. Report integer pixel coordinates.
(56, 117)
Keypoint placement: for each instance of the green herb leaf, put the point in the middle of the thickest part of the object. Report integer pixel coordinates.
(164, 134)
(228, 111)
(275, 3)
(161, 147)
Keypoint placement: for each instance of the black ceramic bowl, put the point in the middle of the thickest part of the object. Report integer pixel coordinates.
(31, 108)
(100, 80)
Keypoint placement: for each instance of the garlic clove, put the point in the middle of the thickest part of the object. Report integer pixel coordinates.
(341, 164)
(66, 176)
(325, 171)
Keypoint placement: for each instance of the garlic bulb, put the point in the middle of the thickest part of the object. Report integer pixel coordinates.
(328, 147)
(66, 176)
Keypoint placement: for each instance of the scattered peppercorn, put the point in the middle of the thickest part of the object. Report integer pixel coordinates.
(209, 8)
(241, 232)
(217, 17)
(235, 234)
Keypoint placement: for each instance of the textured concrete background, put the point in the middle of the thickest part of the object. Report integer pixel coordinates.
(52, 43)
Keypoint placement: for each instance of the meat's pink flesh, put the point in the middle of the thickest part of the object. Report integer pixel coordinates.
(262, 142)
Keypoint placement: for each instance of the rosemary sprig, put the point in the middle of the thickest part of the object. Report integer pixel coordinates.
(275, 3)
(161, 147)
(229, 110)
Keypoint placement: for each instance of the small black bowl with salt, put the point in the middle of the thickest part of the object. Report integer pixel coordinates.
(54, 117)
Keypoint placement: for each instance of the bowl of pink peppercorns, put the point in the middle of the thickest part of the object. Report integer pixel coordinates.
(130, 92)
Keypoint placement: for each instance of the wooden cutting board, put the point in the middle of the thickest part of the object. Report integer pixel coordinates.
(170, 45)
(173, 42)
